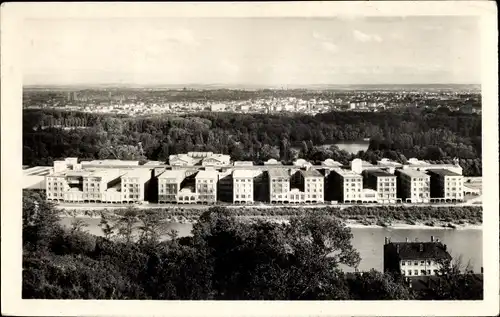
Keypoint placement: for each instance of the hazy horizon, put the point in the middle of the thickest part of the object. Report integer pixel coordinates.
(252, 52)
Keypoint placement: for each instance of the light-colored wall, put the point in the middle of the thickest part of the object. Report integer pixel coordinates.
(410, 265)
(352, 192)
(243, 189)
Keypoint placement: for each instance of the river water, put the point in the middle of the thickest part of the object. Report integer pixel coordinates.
(369, 241)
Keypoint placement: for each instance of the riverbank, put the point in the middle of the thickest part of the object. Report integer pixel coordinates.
(365, 217)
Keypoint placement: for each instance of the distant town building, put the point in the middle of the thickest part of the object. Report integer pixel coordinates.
(218, 107)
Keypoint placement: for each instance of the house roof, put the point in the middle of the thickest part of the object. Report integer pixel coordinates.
(345, 172)
(172, 174)
(207, 174)
(243, 173)
(310, 173)
(442, 172)
(218, 157)
(419, 250)
(413, 173)
(278, 173)
(379, 173)
(330, 162)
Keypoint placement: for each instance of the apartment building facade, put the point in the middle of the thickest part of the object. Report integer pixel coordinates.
(134, 185)
(413, 186)
(279, 185)
(307, 186)
(169, 186)
(206, 186)
(446, 185)
(383, 182)
(347, 186)
(243, 186)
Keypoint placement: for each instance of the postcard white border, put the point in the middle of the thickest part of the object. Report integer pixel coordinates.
(11, 19)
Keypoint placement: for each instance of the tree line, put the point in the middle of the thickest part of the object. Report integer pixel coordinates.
(223, 259)
(431, 135)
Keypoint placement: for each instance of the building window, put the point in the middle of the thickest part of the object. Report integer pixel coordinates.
(415, 263)
(422, 262)
(416, 272)
(403, 263)
(409, 272)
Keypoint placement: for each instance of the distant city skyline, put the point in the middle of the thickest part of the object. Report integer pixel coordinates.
(273, 52)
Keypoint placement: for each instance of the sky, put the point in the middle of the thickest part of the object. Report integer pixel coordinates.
(252, 51)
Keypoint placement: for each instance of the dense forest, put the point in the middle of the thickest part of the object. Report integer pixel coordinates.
(223, 259)
(437, 135)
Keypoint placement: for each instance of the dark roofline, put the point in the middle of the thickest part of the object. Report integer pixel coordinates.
(379, 173)
(442, 172)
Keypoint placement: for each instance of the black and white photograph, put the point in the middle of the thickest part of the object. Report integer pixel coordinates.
(179, 153)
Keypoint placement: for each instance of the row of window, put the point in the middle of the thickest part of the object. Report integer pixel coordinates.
(204, 180)
(243, 180)
(242, 196)
(416, 272)
(352, 180)
(387, 184)
(422, 262)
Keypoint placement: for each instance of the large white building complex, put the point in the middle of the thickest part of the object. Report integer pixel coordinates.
(206, 178)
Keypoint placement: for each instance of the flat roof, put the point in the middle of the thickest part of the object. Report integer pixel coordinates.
(138, 173)
(310, 173)
(413, 173)
(37, 171)
(379, 173)
(153, 163)
(330, 162)
(173, 174)
(443, 172)
(243, 173)
(346, 172)
(110, 162)
(243, 163)
(207, 174)
(278, 173)
(71, 173)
